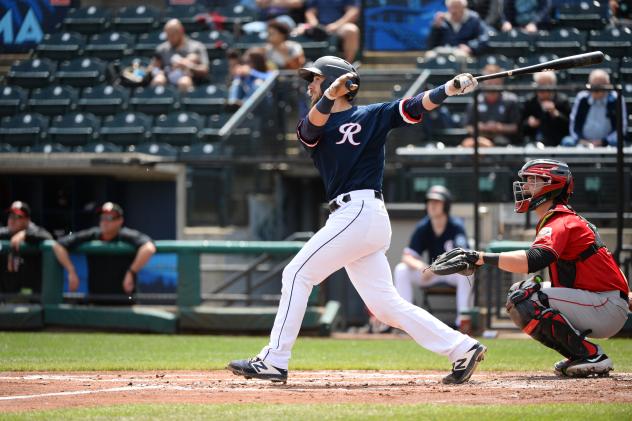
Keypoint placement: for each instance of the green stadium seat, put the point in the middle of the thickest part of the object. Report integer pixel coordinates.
(48, 147)
(616, 42)
(82, 71)
(61, 45)
(110, 45)
(74, 129)
(155, 99)
(561, 41)
(513, 43)
(146, 43)
(88, 20)
(441, 67)
(137, 19)
(178, 128)
(99, 148)
(580, 74)
(476, 66)
(26, 129)
(12, 100)
(254, 39)
(235, 15)
(126, 129)
(103, 99)
(216, 42)
(160, 149)
(189, 15)
(53, 100)
(314, 49)
(218, 70)
(33, 73)
(587, 14)
(625, 70)
(210, 132)
(199, 151)
(208, 99)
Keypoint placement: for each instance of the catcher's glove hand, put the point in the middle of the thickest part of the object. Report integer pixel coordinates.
(458, 260)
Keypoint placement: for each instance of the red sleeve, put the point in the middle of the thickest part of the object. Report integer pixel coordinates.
(552, 236)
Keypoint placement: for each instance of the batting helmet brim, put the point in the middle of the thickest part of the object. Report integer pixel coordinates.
(308, 73)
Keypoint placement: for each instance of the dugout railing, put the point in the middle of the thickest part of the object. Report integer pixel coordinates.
(189, 312)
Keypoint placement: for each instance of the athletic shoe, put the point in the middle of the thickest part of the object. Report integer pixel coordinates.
(599, 365)
(463, 368)
(560, 366)
(258, 369)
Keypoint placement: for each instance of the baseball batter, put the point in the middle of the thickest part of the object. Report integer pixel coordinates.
(346, 143)
(589, 293)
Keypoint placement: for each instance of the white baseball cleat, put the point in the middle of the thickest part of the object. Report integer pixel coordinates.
(258, 369)
(463, 368)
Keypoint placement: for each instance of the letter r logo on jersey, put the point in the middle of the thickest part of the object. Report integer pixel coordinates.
(348, 130)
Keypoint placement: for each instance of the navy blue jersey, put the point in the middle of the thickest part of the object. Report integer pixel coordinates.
(424, 238)
(349, 154)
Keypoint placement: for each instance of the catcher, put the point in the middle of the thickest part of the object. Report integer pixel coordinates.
(589, 293)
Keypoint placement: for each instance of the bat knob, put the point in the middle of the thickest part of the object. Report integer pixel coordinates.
(457, 83)
(351, 85)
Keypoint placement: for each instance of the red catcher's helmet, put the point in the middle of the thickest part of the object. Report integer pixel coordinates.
(555, 182)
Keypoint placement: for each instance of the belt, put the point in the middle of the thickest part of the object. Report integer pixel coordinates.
(333, 205)
(624, 296)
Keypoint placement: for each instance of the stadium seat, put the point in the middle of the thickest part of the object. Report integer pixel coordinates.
(48, 147)
(53, 100)
(199, 151)
(110, 45)
(74, 129)
(147, 43)
(137, 19)
(33, 73)
(314, 49)
(580, 74)
(254, 39)
(209, 99)
(235, 15)
(104, 99)
(477, 66)
(586, 14)
(12, 100)
(615, 42)
(161, 149)
(178, 128)
(513, 43)
(126, 129)
(99, 147)
(82, 71)
(534, 59)
(88, 20)
(441, 67)
(191, 16)
(26, 129)
(61, 45)
(216, 42)
(218, 70)
(627, 96)
(155, 99)
(625, 70)
(561, 41)
(213, 125)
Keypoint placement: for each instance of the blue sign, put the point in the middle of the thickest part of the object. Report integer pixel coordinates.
(23, 23)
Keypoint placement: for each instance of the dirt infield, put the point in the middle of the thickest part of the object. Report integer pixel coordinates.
(33, 391)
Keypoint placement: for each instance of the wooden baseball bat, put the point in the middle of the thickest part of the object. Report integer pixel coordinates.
(577, 60)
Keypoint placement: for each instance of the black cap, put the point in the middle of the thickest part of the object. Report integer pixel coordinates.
(110, 208)
(20, 208)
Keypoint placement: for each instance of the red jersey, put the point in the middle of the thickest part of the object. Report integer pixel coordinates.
(567, 235)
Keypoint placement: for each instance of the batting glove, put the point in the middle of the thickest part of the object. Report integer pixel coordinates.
(461, 84)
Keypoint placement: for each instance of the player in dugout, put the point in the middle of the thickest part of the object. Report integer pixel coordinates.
(108, 275)
(589, 295)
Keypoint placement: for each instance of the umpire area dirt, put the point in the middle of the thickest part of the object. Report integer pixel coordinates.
(37, 391)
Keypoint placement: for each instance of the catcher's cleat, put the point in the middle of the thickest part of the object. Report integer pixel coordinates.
(258, 369)
(463, 368)
(598, 366)
(560, 366)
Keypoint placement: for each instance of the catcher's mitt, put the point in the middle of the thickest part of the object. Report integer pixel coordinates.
(457, 260)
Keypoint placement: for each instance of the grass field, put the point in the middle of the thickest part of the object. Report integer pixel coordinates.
(45, 351)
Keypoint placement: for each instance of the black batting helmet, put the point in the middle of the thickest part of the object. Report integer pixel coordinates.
(440, 193)
(331, 68)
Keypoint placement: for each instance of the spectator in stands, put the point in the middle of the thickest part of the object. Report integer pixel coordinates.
(545, 115)
(593, 120)
(248, 76)
(459, 31)
(179, 61)
(435, 234)
(498, 114)
(281, 52)
(21, 271)
(338, 17)
(488, 10)
(290, 12)
(107, 274)
(528, 15)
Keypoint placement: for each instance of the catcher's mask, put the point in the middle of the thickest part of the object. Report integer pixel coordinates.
(551, 179)
(440, 193)
(331, 68)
